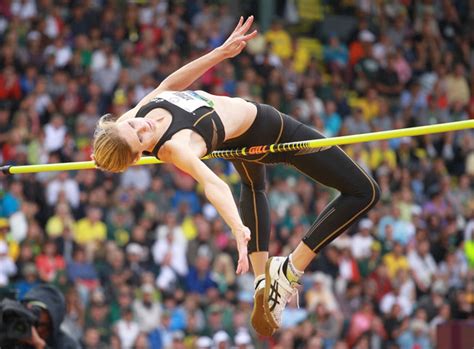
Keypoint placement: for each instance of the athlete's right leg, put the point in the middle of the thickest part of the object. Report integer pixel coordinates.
(332, 167)
(255, 213)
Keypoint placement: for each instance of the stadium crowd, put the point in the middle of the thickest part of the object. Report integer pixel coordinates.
(143, 259)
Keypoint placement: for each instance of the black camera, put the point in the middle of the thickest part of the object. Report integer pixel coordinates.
(16, 321)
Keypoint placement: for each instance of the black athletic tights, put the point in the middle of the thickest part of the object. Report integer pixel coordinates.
(329, 166)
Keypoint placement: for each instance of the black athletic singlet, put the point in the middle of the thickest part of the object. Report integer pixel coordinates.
(188, 110)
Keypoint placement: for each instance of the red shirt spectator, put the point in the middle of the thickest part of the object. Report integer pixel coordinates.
(10, 88)
(49, 263)
(381, 279)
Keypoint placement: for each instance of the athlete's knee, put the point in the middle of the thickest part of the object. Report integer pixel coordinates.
(370, 193)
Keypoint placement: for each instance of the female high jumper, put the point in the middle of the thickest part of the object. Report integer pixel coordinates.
(180, 126)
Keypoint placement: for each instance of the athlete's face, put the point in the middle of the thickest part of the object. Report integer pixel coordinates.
(139, 133)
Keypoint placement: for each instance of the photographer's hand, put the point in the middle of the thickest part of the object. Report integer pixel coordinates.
(36, 340)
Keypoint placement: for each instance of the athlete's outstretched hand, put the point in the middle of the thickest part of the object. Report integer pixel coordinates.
(236, 42)
(242, 236)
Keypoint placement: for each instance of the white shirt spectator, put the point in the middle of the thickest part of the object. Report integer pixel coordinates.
(106, 78)
(55, 133)
(61, 52)
(52, 27)
(41, 102)
(150, 13)
(24, 9)
(171, 255)
(99, 61)
(309, 107)
(363, 240)
(148, 315)
(137, 177)
(7, 266)
(18, 225)
(469, 231)
(361, 246)
(424, 267)
(391, 298)
(177, 251)
(68, 186)
(176, 231)
(128, 332)
(148, 318)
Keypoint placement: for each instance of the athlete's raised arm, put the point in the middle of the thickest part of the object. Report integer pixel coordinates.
(186, 75)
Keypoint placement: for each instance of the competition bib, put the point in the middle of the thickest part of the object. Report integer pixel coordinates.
(186, 100)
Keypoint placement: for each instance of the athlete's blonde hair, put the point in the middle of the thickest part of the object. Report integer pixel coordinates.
(111, 151)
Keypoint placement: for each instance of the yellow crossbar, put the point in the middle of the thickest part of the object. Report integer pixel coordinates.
(269, 148)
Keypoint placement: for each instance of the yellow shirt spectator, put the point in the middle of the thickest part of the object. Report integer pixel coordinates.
(457, 90)
(90, 228)
(13, 246)
(279, 41)
(369, 104)
(87, 231)
(394, 263)
(382, 154)
(457, 87)
(61, 220)
(54, 227)
(370, 109)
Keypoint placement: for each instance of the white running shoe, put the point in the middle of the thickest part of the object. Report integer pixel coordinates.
(278, 290)
(258, 319)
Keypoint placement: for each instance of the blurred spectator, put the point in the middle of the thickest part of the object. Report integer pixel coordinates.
(416, 335)
(310, 106)
(332, 120)
(127, 329)
(10, 199)
(328, 325)
(91, 339)
(82, 273)
(457, 87)
(7, 266)
(97, 317)
(279, 40)
(60, 221)
(49, 263)
(422, 266)
(55, 133)
(147, 311)
(13, 249)
(321, 293)
(170, 254)
(199, 277)
(10, 89)
(29, 280)
(62, 187)
(90, 229)
(363, 240)
(396, 260)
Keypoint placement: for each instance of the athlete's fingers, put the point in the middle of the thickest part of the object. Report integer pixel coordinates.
(246, 26)
(250, 36)
(242, 265)
(241, 19)
(243, 237)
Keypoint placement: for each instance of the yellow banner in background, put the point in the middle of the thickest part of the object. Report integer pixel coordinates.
(311, 10)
